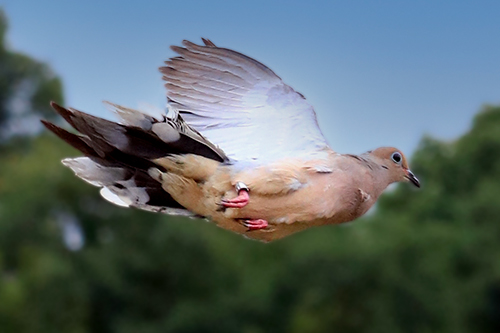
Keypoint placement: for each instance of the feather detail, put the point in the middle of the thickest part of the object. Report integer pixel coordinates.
(118, 155)
(239, 104)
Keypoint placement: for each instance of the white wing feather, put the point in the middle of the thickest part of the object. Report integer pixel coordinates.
(240, 105)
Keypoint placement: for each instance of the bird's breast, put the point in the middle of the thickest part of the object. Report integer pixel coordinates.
(319, 199)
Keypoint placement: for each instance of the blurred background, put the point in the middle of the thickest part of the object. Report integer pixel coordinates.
(424, 77)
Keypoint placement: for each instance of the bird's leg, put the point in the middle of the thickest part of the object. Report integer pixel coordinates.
(255, 224)
(241, 200)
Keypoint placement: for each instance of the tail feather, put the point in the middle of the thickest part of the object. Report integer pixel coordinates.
(119, 155)
(74, 140)
(135, 140)
(131, 117)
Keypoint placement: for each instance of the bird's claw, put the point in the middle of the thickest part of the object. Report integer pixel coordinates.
(239, 202)
(255, 224)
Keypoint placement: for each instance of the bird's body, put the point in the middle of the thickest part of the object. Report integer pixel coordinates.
(238, 146)
(291, 195)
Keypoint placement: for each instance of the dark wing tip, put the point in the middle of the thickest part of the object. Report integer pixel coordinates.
(176, 48)
(208, 42)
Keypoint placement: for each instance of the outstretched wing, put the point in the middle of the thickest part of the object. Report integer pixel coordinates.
(240, 105)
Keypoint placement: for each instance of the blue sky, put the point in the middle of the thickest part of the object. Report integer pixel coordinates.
(377, 72)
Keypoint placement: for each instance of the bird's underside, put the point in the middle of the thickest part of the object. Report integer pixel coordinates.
(238, 147)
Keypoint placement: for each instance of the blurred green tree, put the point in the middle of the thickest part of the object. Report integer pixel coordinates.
(26, 88)
(424, 261)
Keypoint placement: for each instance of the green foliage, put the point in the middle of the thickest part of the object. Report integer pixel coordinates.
(425, 261)
(26, 86)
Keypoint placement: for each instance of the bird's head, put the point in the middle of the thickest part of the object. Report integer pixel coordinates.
(394, 161)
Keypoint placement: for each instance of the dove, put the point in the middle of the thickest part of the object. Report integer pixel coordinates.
(236, 146)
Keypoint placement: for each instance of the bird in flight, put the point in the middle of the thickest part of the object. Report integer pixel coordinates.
(236, 146)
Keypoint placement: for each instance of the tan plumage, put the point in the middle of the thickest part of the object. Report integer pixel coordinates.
(291, 195)
(231, 122)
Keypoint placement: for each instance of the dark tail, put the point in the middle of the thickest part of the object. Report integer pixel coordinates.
(118, 155)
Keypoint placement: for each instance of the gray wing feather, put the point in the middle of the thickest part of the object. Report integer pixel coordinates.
(239, 104)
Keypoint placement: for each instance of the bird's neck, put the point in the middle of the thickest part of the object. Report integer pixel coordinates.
(381, 177)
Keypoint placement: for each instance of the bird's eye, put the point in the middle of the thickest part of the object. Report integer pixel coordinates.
(396, 157)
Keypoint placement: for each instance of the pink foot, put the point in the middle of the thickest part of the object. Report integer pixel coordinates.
(255, 224)
(239, 202)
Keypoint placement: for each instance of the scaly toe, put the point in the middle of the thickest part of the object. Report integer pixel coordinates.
(230, 204)
(239, 202)
(255, 224)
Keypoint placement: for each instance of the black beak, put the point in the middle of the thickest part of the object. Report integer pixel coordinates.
(411, 177)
